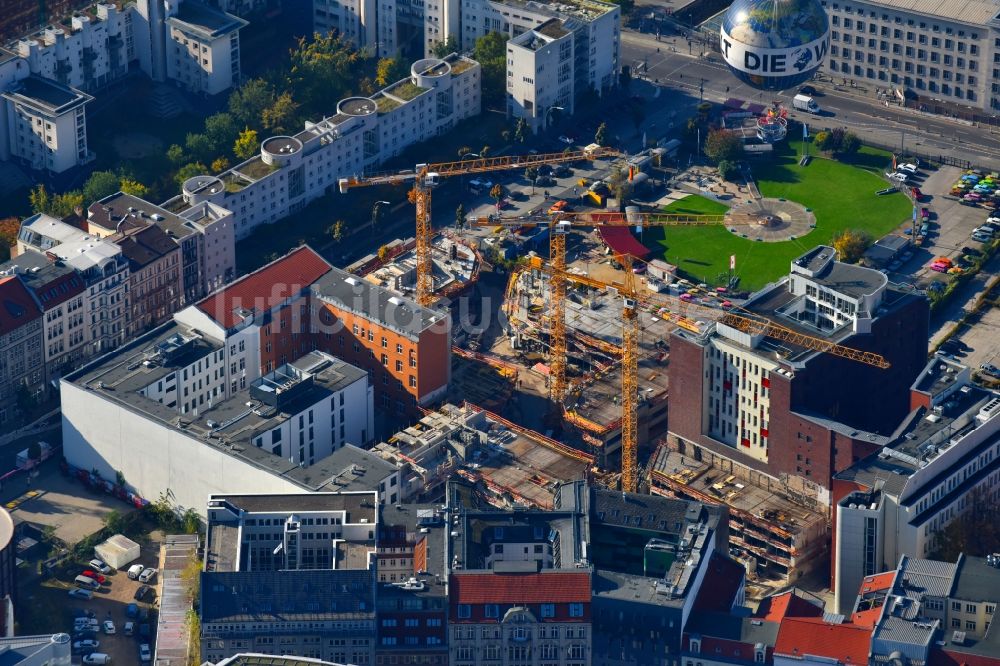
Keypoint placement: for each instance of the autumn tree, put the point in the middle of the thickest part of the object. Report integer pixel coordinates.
(336, 231)
(133, 187)
(601, 135)
(850, 244)
(728, 170)
(220, 164)
(521, 130)
(9, 228)
(721, 145)
(389, 70)
(280, 116)
(41, 200)
(247, 144)
(460, 217)
(247, 103)
(497, 193)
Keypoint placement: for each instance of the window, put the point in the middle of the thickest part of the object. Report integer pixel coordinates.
(971, 608)
(956, 606)
(576, 610)
(970, 625)
(548, 610)
(990, 609)
(492, 610)
(464, 612)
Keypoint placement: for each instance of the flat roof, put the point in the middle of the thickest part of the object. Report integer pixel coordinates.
(204, 21)
(112, 211)
(361, 505)
(46, 95)
(975, 12)
(173, 643)
(939, 374)
(975, 580)
(358, 296)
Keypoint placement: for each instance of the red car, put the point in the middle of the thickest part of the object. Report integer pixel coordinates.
(917, 194)
(96, 576)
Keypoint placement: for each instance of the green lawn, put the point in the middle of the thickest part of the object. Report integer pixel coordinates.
(842, 196)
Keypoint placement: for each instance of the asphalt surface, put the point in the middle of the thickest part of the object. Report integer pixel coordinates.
(858, 109)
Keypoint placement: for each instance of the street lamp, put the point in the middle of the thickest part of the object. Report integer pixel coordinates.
(548, 111)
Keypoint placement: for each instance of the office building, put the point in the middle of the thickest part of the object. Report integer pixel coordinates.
(358, 135)
(897, 501)
(785, 411)
(22, 344)
(290, 574)
(938, 57)
(59, 291)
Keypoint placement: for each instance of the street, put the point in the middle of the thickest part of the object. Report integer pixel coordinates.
(855, 108)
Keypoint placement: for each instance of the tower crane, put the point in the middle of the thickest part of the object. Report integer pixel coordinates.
(425, 176)
(742, 320)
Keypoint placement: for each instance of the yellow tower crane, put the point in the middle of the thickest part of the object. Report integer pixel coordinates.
(740, 319)
(425, 176)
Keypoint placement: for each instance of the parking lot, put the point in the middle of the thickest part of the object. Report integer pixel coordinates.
(53, 610)
(951, 225)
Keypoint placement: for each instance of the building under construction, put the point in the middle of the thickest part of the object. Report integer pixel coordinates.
(509, 466)
(778, 535)
(594, 339)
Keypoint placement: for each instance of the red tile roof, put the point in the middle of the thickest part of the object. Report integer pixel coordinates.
(882, 581)
(787, 604)
(951, 657)
(551, 587)
(266, 287)
(17, 307)
(722, 581)
(847, 643)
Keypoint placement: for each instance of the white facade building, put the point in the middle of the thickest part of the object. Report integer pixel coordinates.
(101, 265)
(45, 124)
(942, 458)
(292, 171)
(939, 55)
(540, 74)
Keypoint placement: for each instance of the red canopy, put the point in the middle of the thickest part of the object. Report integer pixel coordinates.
(621, 241)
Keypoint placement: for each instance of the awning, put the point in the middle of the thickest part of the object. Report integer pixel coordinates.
(621, 241)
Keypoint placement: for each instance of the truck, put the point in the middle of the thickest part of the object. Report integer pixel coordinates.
(805, 103)
(24, 460)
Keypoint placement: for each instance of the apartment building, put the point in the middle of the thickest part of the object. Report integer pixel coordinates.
(22, 348)
(361, 133)
(155, 287)
(406, 348)
(46, 125)
(101, 265)
(204, 54)
(897, 501)
(784, 411)
(290, 574)
(59, 291)
(205, 234)
(87, 50)
(540, 74)
(938, 57)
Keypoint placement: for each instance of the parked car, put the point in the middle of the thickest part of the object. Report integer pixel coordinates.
(562, 171)
(100, 566)
(907, 168)
(135, 570)
(147, 575)
(129, 628)
(142, 593)
(917, 194)
(982, 238)
(990, 369)
(807, 90)
(901, 177)
(109, 627)
(145, 654)
(144, 630)
(81, 593)
(97, 659)
(888, 190)
(925, 214)
(96, 576)
(132, 610)
(80, 646)
(559, 207)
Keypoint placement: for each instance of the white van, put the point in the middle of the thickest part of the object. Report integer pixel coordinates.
(87, 582)
(97, 658)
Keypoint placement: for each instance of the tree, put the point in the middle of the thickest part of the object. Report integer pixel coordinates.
(378, 214)
(460, 217)
(484, 151)
(491, 53)
(620, 185)
(175, 154)
(247, 103)
(531, 173)
(9, 229)
(822, 140)
(497, 193)
(521, 130)
(601, 135)
(113, 521)
(192, 523)
(389, 70)
(721, 145)
(66, 203)
(850, 144)
(247, 144)
(221, 129)
(189, 170)
(41, 201)
(281, 115)
(199, 147)
(133, 187)
(220, 164)
(336, 231)
(727, 170)
(322, 68)
(445, 47)
(973, 532)
(463, 151)
(850, 244)
(100, 184)
(383, 253)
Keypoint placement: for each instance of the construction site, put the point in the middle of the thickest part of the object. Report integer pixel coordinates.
(509, 466)
(777, 538)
